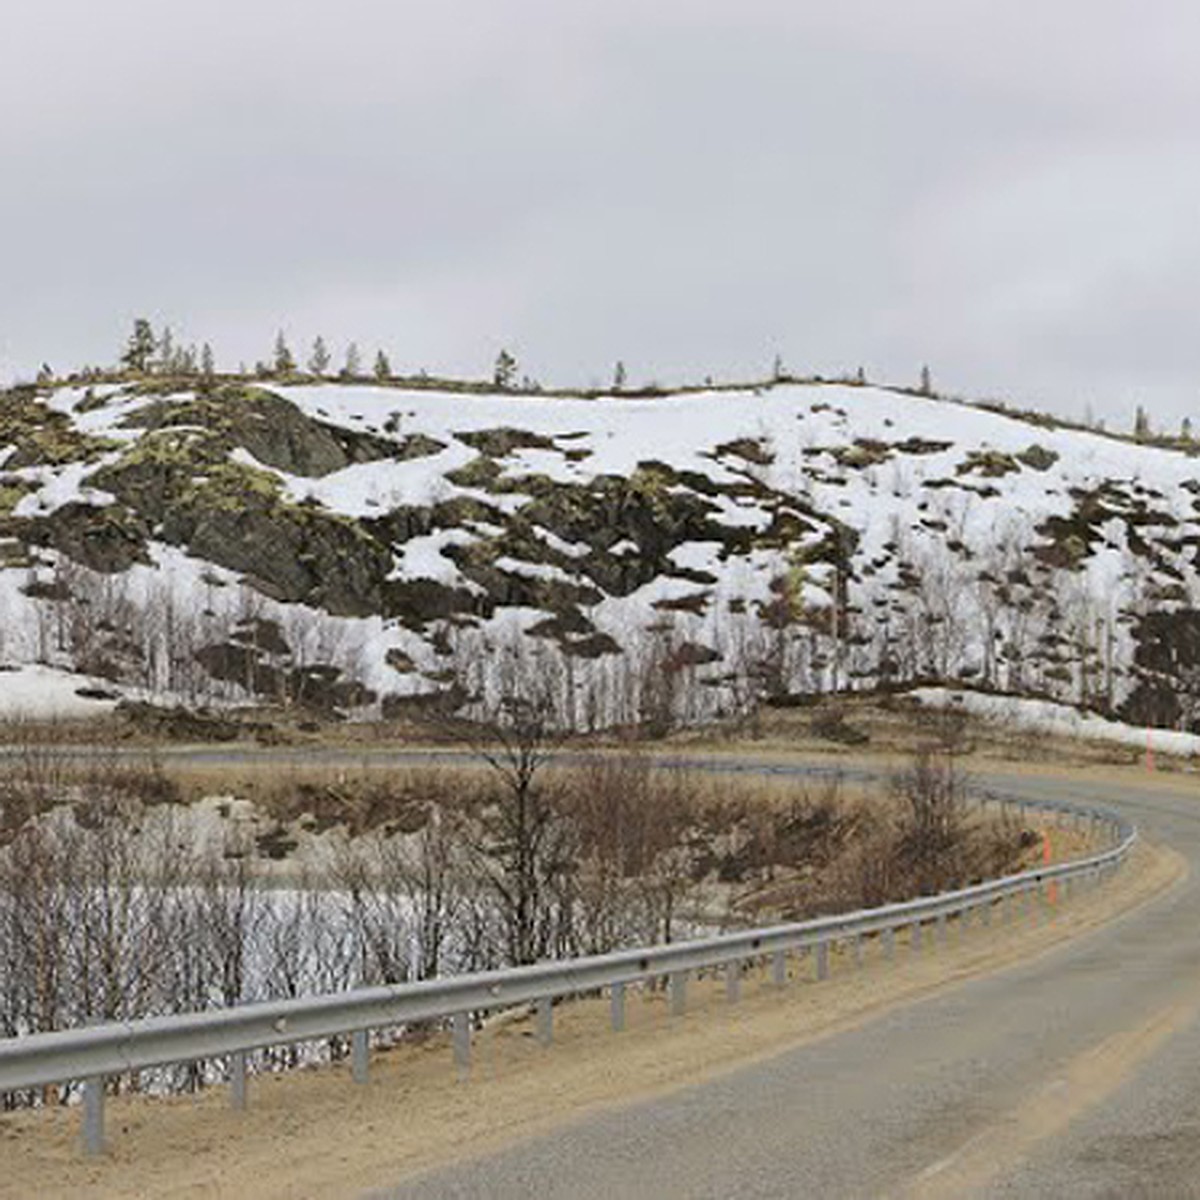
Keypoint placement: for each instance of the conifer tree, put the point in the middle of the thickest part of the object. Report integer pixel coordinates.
(383, 368)
(1141, 424)
(619, 377)
(140, 346)
(318, 360)
(353, 367)
(208, 366)
(505, 373)
(166, 351)
(285, 364)
(926, 388)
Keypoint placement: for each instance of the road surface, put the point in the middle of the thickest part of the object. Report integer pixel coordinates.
(1076, 1074)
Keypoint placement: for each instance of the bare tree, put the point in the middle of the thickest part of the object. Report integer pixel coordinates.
(513, 722)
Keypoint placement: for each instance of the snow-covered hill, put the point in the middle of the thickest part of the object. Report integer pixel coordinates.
(687, 551)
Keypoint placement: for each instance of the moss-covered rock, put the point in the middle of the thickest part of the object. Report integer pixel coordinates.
(108, 539)
(865, 452)
(919, 445)
(419, 602)
(593, 645)
(12, 491)
(234, 515)
(42, 437)
(273, 430)
(991, 464)
(481, 472)
(1038, 458)
(756, 451)
(499, 443)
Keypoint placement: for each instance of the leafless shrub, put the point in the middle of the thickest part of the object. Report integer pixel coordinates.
(932, 827)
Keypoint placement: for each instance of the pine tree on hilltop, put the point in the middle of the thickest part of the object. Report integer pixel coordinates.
(1141, 424)
(383, 368)
(140, 347)
(619, 377)
(926, 388)
(318, 360)
(166, 351)
(353, 367)
(505, 373)
(285, 364)
(208, 366)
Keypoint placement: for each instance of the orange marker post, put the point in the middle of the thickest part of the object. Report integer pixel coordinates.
(1047, 858)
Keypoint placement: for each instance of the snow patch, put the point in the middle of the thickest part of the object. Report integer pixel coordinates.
(45, 693)
(1061, 720)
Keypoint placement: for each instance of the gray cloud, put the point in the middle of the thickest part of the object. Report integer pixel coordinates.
(689, 186)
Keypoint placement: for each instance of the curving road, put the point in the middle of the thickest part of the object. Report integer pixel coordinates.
(1074, 1075)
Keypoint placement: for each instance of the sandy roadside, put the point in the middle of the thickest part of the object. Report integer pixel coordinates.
(314, 1134)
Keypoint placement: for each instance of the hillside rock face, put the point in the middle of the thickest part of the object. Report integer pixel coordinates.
(694, 551)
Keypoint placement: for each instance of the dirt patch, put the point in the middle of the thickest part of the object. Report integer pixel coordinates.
(314, 1134)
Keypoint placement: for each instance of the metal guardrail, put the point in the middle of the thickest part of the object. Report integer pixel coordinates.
(92, 1054)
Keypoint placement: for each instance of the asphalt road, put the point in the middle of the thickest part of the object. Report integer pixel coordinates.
(1074, 1075)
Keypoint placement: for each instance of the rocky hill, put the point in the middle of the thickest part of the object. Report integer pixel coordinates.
(347, 545)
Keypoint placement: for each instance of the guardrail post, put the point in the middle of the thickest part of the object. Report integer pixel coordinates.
(678, 987)
(916, 937)
(733, 981)
(985, 914)
(822, 961)
(964, 919)
(545, 1020)
(889, 943)
(858, 951)
(779, 968)
(360, 1045)
(237, 1079)
(941, 930)
(462, 1043)
(616, 1004)
(93, 1115)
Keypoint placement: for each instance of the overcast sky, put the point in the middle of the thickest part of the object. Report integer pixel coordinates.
(1009, 192)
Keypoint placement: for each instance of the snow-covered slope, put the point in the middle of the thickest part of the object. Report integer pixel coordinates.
(777, 539)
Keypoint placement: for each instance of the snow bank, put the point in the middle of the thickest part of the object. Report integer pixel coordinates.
(43, 692)
(1043, 716)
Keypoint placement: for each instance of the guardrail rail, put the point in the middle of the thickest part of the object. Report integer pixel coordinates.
(93, 1054)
